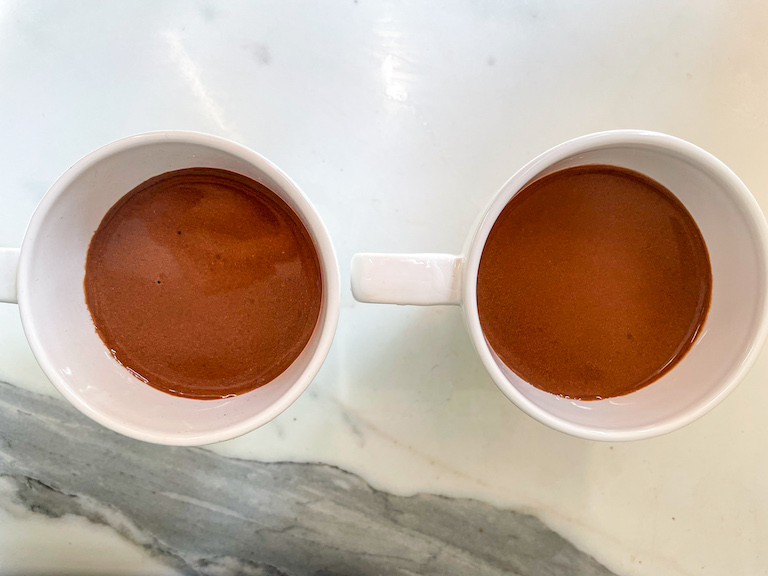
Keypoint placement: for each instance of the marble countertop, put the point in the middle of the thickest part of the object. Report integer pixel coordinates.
(399, 120)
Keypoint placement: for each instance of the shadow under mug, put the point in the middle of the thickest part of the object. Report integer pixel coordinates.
(736, 236)
(46, 276)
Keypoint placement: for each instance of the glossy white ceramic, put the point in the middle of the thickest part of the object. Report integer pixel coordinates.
(49, 290)
(736, 235)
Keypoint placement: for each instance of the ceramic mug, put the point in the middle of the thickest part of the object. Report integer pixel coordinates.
(46, 276)
(736, 235)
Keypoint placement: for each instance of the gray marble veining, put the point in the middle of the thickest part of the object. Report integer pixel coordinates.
(206, 514)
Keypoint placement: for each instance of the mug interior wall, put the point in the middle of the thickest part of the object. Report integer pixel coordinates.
(734, 316)
(72, 353)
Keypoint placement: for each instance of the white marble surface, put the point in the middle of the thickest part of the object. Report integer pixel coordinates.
(400, 120)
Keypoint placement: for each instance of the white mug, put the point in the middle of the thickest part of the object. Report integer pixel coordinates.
(46, 276)
(736, 236)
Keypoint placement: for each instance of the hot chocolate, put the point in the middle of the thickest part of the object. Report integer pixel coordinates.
(594, 282)
(203, 283)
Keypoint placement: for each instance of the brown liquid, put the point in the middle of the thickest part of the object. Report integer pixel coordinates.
(203, 283)
(594, 282)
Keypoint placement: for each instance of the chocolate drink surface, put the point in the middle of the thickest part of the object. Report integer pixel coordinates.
(593, 283)
(203, 283)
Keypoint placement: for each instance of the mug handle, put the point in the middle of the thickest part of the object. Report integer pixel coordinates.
(417, 279)
(9, 262)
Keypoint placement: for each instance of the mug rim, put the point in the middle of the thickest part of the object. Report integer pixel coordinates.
(312, 220)
(611, 138)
